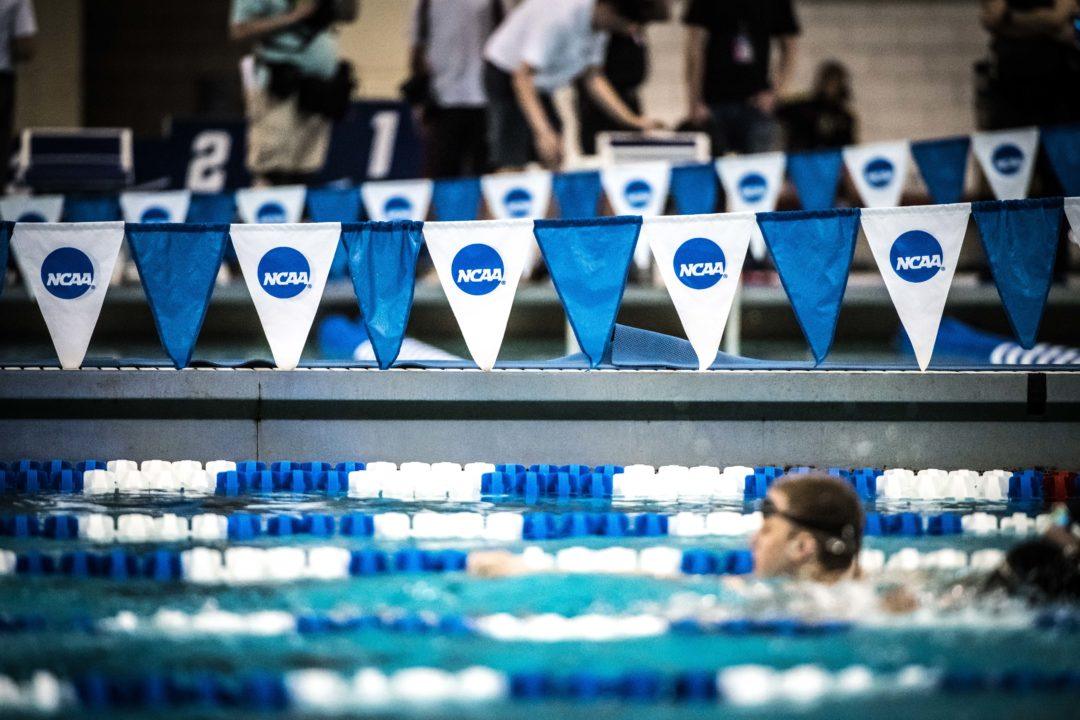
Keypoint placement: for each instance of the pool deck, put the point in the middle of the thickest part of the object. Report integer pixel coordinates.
(976, 419)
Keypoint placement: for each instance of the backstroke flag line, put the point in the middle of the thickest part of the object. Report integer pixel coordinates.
(155, 207)
(1007, 159)
(916, 249)
(69, 267)
(391, 200)
(878, 171)
(479, 265)
(752, 183)
(32, 208)
(637, 189)
(285, 268)
(284, 204)
(700, 258)
(943, 166)
(513, 196)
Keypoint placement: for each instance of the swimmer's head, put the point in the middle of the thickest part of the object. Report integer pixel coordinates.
(812, 529)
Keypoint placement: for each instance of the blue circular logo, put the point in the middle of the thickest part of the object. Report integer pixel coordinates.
(31, 216)
(67, 273)
(700, 263)
(270, 212)
(752, 187)
(518, 203)
(398, 208)
(155, 214)
(638, 194)
(1007, 159)
(478, 269)
(878, 173)
(916, 256)
(284, 273)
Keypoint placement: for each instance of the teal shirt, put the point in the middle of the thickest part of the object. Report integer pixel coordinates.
(319, 57)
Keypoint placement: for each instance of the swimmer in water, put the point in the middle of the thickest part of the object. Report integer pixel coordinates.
(1045, 570)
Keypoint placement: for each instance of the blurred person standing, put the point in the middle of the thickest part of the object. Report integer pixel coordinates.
(295, 84)
(823, 118)
(446, 87)
(731, 86)
(18, 31)
(541, 47)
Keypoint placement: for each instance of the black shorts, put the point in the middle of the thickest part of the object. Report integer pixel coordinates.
(510, 138)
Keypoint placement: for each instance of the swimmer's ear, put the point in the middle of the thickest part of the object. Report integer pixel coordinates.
(803, 546)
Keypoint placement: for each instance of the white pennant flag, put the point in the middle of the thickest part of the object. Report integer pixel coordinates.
(637, 189)
(32, 208)
(155, 207)
(516, 196)
(879, 172)
(700, 258)
(68, 266)
(397, 199)
(1072, 213)
(752, 183)
(283, 205)
(285, 268)
(1007, 159)
(916, 249)
(479, 265)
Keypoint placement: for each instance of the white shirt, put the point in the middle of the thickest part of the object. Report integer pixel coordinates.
(555, 37)
(16, 21)
(457, 30)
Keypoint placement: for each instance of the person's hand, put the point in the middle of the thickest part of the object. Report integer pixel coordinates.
(645, 124)
(549, 148)
(765, 101)
(304, 9)
(700, 114)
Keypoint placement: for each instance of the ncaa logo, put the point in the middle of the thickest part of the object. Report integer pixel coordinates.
(154, 214)
(752, 187)
(1007, 159)
(700, 264)
(916, 256)
(31, 216)
(67, 273)
(284, 273)
(518, 203)
(270, 212)
(638, 193)
(398, 208)
(878, 173)
(477, 269)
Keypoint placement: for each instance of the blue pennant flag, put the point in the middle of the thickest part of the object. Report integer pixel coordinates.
(812, 251)
(178, 265)
(1020, 238)
(382, 261)
(331, 204)
(1062, 145)
(456, 200)
(577, 193)
(588, 261)
(91, 208)
(212, 208)
(816, 176)
(943, 166)
(695, 188)
(5, 240)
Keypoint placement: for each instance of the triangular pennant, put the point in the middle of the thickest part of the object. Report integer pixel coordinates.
(812, 252)
(285, 268)
(69, 266)
(588, 261)
(694, 188)
(382, 261)
(91, 208)
(1007, 159)
(637, 189)
(332, 204)
(282, 205)
(32, 208)
(177, 266)
(212, 208)
(916, 250)
(456, 199)
(816, 177)
(5, 238)
(1062, 145)
(879, 172)
(577, 193)
(389, 200)
(943, 166)
(1072, 212)
(511, 196)
(479, 265)
(700, 258)
(752, 184)
(1020, 238)
(155, 207)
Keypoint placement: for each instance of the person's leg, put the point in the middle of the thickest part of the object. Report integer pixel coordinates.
(7, 124)
(508, 134)
(309, 140)
(269, 138)
(760, 132)
(721, 129)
